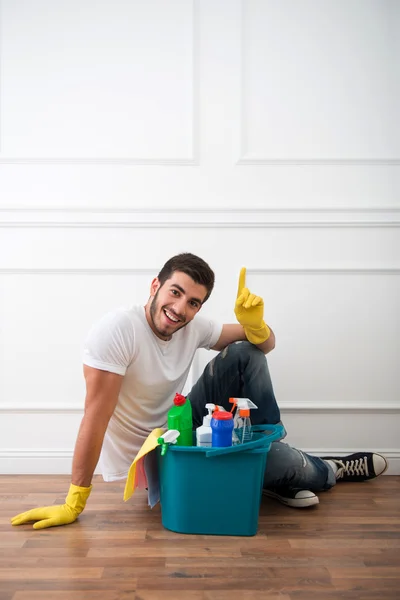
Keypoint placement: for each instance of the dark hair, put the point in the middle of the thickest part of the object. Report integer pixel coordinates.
(192, 265)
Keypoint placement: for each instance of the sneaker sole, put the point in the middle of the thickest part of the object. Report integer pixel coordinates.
(385, 469)
(293, 502)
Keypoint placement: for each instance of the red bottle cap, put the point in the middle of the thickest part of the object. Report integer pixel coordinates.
(179, 400)
(222, 415)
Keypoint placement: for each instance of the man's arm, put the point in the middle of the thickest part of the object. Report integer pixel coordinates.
(235, 333)
(102, 390)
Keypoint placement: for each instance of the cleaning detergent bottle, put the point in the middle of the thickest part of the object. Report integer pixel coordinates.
(242, 422)
(180, 417)
(222, 427)
(204, 432)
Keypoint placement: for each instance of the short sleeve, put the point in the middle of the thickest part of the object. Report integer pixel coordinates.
(209, 332)
(109, 345)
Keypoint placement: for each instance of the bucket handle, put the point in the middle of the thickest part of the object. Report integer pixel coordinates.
(276, 433)
(238, 448)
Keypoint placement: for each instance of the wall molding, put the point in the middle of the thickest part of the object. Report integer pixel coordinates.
(150, 272)
(194, 160)
(211, 209)
(58, 461)
(31, 453)
(318, 162)
(162, 162)
(359, 407)
(246, 159)
(27, 453)
(220, 218)
(41, 409)
(286, 407)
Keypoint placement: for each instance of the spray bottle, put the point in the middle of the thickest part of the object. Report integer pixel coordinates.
(242, 422)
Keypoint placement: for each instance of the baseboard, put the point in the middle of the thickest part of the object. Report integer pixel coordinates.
(45, 461)
(35, 461)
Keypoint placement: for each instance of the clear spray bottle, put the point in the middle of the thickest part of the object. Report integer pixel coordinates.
(242, 422)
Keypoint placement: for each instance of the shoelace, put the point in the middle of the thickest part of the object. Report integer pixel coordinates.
(352, 467)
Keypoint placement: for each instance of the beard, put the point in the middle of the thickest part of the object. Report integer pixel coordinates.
(164, 332)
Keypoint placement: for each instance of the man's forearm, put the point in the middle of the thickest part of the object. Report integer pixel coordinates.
(87, 450)
(269, 343)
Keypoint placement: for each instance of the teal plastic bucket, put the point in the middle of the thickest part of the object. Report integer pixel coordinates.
(215, 491)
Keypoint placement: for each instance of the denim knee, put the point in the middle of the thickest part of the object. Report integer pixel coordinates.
(241, 371)
(245, 352)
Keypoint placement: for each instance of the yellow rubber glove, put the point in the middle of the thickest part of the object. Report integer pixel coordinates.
(249, 311)
(61, 514)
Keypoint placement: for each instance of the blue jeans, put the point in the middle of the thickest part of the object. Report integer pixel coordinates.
(241, 371)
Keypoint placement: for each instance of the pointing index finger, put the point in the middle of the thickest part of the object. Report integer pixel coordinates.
(242, 279)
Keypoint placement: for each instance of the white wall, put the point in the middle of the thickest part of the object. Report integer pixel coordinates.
(258, 133)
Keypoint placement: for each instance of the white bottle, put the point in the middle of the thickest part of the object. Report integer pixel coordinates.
(204, 432)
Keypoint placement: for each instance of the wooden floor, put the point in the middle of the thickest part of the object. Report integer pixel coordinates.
(347, 547)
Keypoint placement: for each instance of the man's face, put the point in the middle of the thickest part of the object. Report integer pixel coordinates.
(174, 304)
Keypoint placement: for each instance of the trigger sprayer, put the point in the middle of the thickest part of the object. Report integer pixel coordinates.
(169, 437)
(242, 422)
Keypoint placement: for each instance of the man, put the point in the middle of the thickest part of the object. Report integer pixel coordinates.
(135, 360)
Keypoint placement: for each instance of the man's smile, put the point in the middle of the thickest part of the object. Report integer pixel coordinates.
(171, 316)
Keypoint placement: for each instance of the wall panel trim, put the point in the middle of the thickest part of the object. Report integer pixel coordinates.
(150, 271)
(318, 162)
(58, 461)
(194, 160)
(248, 160)
(211, 218)
(286, 407)
(68, 453)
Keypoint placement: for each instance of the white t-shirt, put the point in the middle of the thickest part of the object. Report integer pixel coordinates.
(154, 371)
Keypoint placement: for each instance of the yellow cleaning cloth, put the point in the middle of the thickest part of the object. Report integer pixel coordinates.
(149, 445)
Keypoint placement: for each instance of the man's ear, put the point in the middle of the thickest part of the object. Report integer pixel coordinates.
(155, 286)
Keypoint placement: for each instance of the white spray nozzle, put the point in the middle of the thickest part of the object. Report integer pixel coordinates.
(207, 419)
(243, 403)
(170, 436)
